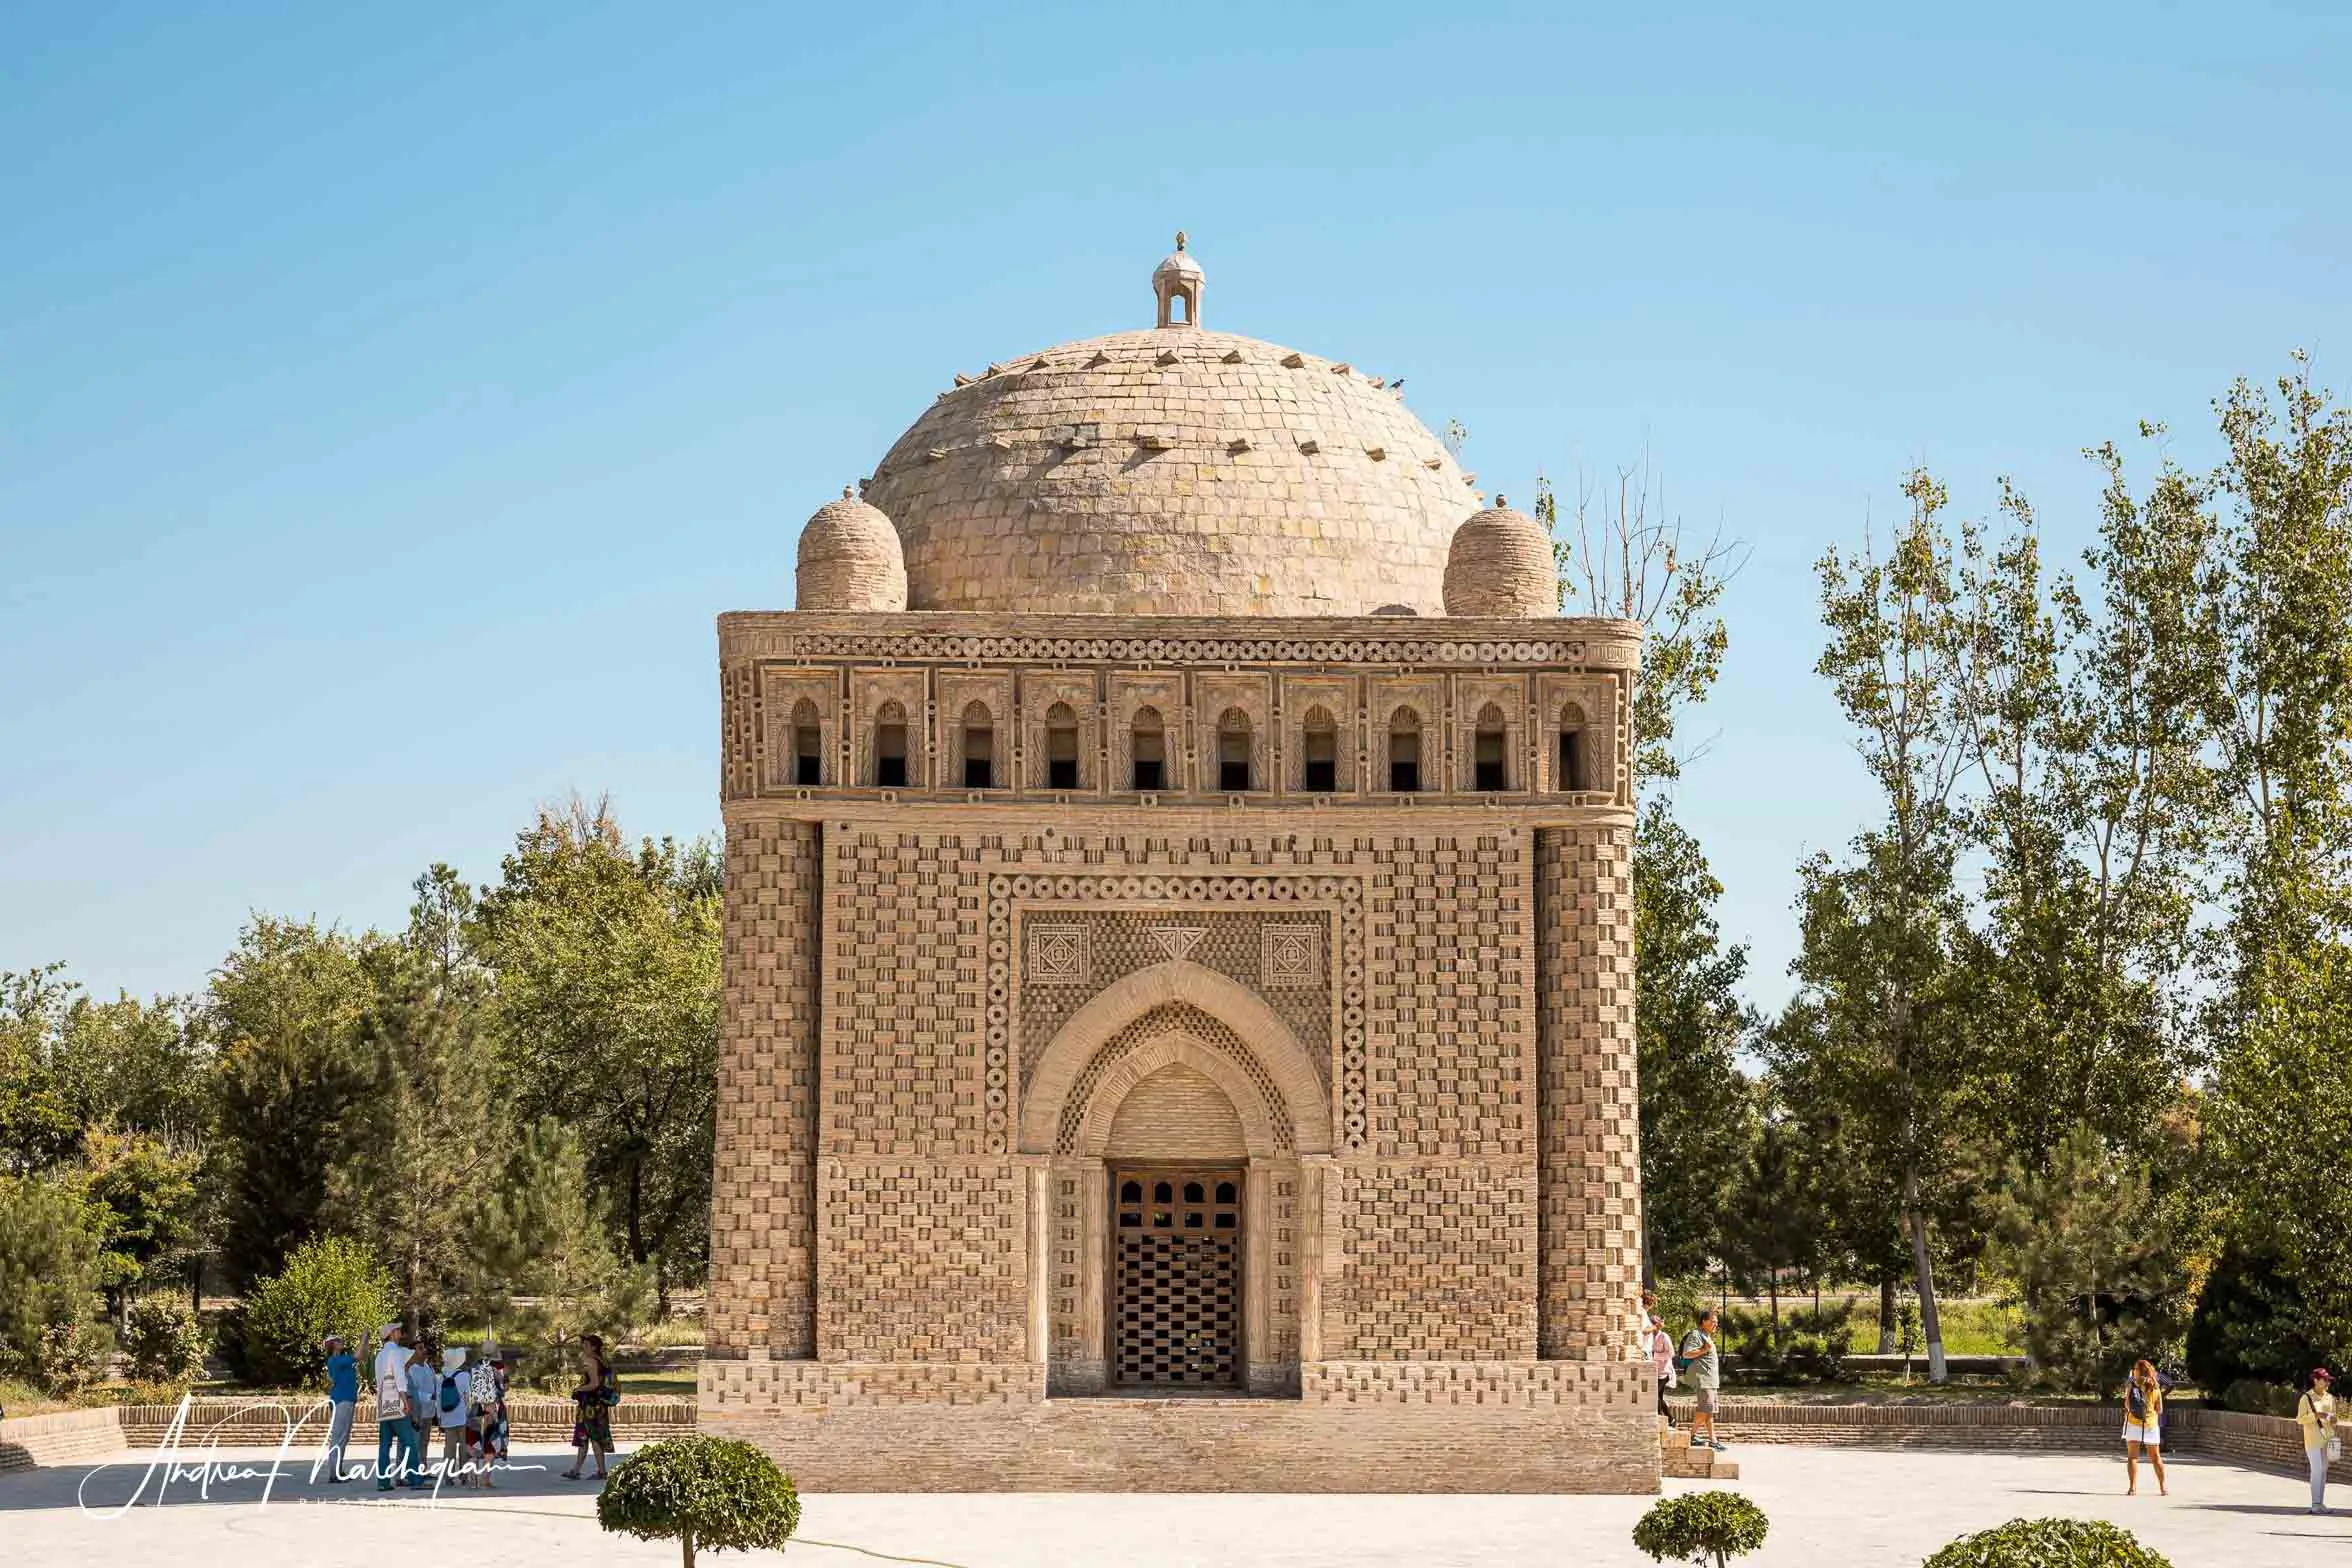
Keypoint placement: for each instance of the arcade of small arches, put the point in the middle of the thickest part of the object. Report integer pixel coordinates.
(1405, 763)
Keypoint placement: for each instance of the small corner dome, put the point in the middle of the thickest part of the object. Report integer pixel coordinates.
(850, 559)
(1501, 566)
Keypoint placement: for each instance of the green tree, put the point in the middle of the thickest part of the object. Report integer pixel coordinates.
(1706, 1528)
(1880, 934)
(141, 1195)
(415, 1149)
(707, 1493)
(607, 1010)
(1689, 1024)
(283, 1011)
(2101, 1282)
(2083, 731)
(48, 1280)
(2280, 594)
(541, 1268)
(330, 1285)
(38, 1125)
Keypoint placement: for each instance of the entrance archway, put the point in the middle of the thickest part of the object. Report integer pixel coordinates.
(1181, 1080)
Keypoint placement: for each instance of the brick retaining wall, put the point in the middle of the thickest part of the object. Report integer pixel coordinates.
(247, 1422)
(58, 1438)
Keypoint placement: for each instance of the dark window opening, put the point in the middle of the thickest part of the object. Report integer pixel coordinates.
(1571, 763)
(890, 754)
(1320, 754)
(1233, 752)
(1404, 752)
(1151, 753)
(1487, 757)
(1061, 748)
(808, 746)
(979, 749)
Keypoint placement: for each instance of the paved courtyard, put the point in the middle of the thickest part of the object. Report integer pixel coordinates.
(1827, 1507)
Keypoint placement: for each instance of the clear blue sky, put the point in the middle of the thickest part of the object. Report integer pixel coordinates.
(389, 400)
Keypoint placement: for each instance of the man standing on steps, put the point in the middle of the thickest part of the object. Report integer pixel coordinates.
(1702, 1357)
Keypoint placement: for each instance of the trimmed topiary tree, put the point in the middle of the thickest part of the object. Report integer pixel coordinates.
(701, 1491)
(1708, 1528)
(2049, 1543)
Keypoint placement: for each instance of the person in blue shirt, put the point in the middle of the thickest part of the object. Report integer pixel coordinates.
(342, 1400)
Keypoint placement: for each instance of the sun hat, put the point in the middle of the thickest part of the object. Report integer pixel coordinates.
(331, 1339)
(388, 1330)
(2320, 1373)
(453, 1358)
(490, 1352)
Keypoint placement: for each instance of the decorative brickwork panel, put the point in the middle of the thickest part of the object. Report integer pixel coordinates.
(1291, 956)
(1122, 941)
(1057, 954)
(923, 1261)
(732, 1387)
(1440, 1263)
(763, 1199)
(1451, 996)
(1476, 1383)
(904, 1066)
(1590, 1221)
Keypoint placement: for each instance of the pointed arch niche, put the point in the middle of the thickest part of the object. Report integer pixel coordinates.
(1177, 1066)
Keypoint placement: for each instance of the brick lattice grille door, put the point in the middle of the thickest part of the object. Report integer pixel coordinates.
(1176, 1315)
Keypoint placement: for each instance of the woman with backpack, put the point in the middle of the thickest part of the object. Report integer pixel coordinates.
(451, 1408)
(592, 1405)
(2143, 1417)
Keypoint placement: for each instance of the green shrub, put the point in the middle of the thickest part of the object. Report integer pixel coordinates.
(2251, 1323)
(702, 1492)
(163, 1341)
(2048, 1543)
(1701, 1527)
(331, 1284)
(49, 1275)
(2257, 1398)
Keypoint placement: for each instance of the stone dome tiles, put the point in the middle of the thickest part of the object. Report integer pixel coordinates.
(1172, 472)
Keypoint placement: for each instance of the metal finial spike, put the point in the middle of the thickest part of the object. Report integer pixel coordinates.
(1501, 500)
(849, 492)
(1179, 239)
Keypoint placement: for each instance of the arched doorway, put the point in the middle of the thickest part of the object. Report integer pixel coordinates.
(1175, 1110)
(1177, 1170)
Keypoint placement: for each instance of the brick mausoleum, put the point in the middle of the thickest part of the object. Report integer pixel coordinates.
(1179, 958)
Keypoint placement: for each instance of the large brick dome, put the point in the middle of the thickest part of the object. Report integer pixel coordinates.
(1173, 471)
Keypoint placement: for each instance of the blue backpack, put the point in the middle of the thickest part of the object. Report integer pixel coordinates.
(450, 1403)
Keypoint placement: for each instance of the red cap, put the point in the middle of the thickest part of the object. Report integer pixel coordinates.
(2320, 1372)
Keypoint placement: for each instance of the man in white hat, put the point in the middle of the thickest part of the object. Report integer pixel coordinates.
(450, 1409)
(342, 1400)
(395, 1422)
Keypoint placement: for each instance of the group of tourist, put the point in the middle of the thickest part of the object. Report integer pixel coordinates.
(464, 1399)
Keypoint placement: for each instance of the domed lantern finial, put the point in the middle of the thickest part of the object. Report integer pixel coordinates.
(1177, 280)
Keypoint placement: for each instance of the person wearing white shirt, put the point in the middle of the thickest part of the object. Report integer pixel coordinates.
(395, 1422)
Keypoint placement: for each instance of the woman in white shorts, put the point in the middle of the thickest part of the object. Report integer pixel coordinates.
(2143, 1421)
